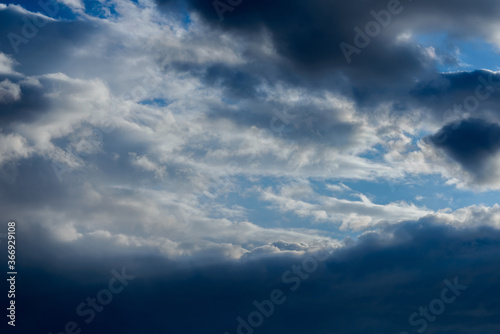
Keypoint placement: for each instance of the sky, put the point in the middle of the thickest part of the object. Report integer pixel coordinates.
(251, 166)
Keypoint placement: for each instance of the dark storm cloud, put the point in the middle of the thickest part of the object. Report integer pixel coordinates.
(440, 97)
(472, 143)
(374, 285)
(310, 33)
(452, 96)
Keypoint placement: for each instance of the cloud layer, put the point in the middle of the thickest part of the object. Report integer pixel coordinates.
(378, 282)
(180, 162)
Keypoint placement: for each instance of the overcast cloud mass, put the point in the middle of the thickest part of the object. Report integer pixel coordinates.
(250, 166)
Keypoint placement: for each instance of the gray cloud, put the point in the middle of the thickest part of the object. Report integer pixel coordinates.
(376, 282)
(310, 34)
(474, 144)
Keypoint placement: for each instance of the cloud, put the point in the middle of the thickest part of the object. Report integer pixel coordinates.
(145, 153)
(378, 282)
(75, 5)
(6, 64)
(316, 43)
(13, 147)
(309, 35)
(237, 86)
(451, 97)
(338, 188)
(474, 145)
(193, 152)
(102, 210)
(349, 214)
(144, 163)
(9, 92)
(471, 217)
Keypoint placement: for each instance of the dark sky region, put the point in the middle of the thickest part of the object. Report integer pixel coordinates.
(250, 166)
